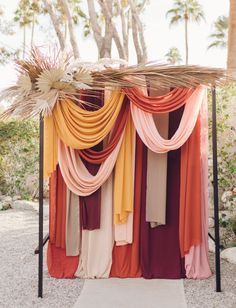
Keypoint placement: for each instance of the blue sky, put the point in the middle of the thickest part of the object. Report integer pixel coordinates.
(159, 36)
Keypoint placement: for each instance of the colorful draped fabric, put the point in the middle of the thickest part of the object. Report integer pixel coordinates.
(160, 251)
(126, 259)
(91, 205)
(161, 103)
(96, 249)
(136, 205)
(59, 264)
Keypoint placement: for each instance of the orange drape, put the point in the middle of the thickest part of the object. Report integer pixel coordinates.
(125, 259)
(59, 265)
(190, 192)
(159, 104)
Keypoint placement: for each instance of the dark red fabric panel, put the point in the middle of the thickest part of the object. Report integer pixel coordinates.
(90, 206)
(160, 251)
(95, 157)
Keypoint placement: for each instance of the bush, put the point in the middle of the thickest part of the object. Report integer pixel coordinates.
(19, 150)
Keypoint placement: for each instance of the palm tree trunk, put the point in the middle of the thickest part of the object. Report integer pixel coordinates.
(231, 59)
(32, 30)
(186, 39)
(24, 40)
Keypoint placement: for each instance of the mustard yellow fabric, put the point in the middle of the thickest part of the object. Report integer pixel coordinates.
(50, 158)
(123, 180)
(78, 128)
(82, 129)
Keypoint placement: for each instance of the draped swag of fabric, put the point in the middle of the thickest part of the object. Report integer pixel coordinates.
(146, 234)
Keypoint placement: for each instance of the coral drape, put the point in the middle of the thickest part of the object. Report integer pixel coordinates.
(147, 131)
(59, 265)
(197, 260)
(158, 104)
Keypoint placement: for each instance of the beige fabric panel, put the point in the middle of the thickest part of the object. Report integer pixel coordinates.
(157, 173)
(73, 236)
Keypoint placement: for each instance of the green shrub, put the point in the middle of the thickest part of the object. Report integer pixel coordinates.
(19, 149)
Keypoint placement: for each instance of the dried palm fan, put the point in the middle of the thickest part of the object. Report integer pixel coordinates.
(44, 80)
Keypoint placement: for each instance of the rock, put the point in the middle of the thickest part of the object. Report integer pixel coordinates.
(229, 254)
(23, 205)
(211, 222)
(7, 199)
(211, 244)
(6, 203)
(17, 197)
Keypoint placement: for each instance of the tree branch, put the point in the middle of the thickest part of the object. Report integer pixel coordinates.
(94, 24)
(108, 15)
(73, 40)
(55, 22)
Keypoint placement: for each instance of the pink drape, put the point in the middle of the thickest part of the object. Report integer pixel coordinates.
(77, 177)
(147, 131)
(197, 260)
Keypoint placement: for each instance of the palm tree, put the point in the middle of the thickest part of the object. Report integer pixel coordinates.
(173, 56)
(231, 59)
(186, 11)
(220, 35)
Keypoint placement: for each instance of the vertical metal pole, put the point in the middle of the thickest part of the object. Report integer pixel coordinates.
(216, 200)
(40, 260)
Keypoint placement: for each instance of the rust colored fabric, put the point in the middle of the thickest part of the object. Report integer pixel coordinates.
(60, 240)
(160, 251)
(190, 192)
(159, 104)
(59, 265)
(52, 205)
(95, 157)
(126, 259)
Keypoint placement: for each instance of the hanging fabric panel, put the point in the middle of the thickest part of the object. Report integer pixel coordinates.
(82, 129)
(126, 259)
(158, 104)
(73, 236)
(157, 172)
(123, 179)
(75, 174)
(197, 260)
(96, 250)
(98, 157)
(160, 251)
(147, 131)
(59, 265)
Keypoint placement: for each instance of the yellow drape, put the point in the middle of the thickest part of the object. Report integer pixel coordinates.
(50, 158)
(78, 128)
(82, 129)
(123, 181)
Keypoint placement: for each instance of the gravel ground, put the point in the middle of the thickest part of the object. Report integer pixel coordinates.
(201, 293)
(18, 272)
(18, 266)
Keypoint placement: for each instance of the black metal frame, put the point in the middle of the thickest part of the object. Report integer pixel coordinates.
(43, 240)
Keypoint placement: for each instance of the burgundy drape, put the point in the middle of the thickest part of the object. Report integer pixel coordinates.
(90, 206)
(160, 251)
(95, 157)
